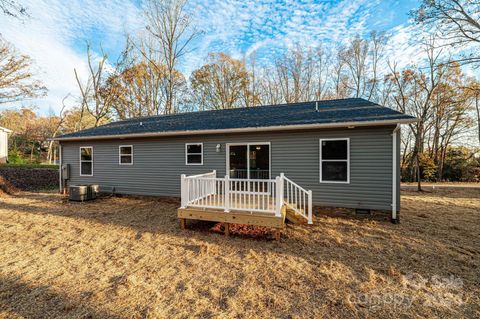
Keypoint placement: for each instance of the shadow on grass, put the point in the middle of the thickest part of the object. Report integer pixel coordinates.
(18, 298)
(338, 239)
(336, 232)
(156, 214)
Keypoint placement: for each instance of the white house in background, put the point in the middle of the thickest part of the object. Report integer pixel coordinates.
(4, 144)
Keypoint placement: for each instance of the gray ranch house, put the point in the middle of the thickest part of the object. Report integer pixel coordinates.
(240, 164)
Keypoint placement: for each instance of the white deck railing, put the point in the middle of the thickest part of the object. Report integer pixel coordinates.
(255, 195)
(298, 198)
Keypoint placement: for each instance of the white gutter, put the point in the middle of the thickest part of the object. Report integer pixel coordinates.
(241, 130)
(394, 172)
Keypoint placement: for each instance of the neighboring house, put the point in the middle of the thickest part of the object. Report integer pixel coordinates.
(4, 144)
(346, 152)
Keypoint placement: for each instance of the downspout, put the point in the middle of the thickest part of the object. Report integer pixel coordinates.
(395, 219)
(60, 177)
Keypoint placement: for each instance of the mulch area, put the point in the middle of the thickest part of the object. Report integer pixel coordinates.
(13, 179)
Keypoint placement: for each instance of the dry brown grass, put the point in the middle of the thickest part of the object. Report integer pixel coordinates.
(127, 258)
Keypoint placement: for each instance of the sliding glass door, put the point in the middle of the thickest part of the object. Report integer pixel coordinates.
(249, 161)
(259, 161)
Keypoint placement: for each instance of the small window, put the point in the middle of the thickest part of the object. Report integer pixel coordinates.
(335, 160)
(125, 155)
(194, 154)
(86, 161)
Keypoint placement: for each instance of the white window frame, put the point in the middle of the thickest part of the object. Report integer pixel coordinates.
(186, 154)
(120, 155)
(335, 160)
(80, 159)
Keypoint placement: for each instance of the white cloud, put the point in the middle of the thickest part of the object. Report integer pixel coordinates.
(268, 27)
(55, 34)
(54, 37)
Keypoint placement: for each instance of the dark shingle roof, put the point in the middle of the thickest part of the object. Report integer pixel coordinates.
(329, 112)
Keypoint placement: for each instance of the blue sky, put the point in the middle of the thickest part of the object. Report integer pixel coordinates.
(56, 33)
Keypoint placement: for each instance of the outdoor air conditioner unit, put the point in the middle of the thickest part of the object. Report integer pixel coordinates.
(82, 193)
(93, 191)
(78, 193)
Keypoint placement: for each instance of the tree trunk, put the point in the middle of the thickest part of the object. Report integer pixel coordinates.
(419, 185)
(31, 152)
(49, 152)
(477, 106)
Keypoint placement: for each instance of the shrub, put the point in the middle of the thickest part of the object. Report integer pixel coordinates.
(14, 157)
(25, 165)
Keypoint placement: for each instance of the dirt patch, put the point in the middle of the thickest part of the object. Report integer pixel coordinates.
(124, 257)
(28, 179)
(6, 188)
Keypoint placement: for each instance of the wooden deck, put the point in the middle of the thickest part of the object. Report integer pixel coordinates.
(239, 202)
(258, 202)
(240, 212)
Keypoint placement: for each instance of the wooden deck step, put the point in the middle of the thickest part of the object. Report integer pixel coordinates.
(295, 217)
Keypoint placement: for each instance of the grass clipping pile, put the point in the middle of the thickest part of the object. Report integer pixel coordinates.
(127, 258)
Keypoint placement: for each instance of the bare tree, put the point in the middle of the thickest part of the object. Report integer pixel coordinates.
(378, 41)
(477, 107)
(355, 58)
(322, 72)
(169, 23)
(269, 87)
(340, 80)
(13, 9)
(295, 73)
(251, 92)
(413, 92)
(457, 21)
(16, 78)
(361, 58)
(57, 125)
(97, 98)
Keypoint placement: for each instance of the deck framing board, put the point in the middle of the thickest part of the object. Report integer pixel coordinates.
(234, 217)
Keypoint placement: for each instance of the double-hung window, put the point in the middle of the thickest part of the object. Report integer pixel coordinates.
(125, 155)
(86, 161)
(335, 160)
(194, 154)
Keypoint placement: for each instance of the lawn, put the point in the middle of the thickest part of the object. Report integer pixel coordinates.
(125, 257)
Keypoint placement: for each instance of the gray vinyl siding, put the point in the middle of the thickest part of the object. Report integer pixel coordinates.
(159, 162)
(399, 177)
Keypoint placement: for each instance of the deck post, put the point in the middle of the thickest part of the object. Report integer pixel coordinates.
(310, 221)
(279, 195)
(183, 191)
(226, 195)
(212, 190)
(277, 234)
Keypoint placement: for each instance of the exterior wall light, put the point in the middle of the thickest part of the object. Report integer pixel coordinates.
(218, 147)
